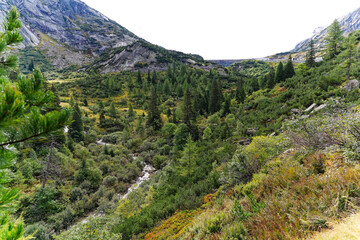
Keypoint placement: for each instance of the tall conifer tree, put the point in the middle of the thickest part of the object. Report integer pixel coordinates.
(310, 55)
(76, 127)
(333, 39)
(289, 68)
(154, 118)
(215, 97)
(279, 74)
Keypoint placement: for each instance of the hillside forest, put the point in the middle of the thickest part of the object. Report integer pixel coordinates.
(257, 150)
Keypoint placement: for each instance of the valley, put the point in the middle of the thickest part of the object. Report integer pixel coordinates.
(159, 144)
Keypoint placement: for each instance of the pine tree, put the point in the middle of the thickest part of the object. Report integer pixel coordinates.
(350, 46)
(139, 79)
(154, 78)
(101, 119)
(174, 120)
(31, 66)
(112, 110)
(310, 55)
(154, 118)
(271, 78)
(131, 112)
(333, 39)
(289, 69)
(240, 92)
(255, 84)
(279, 74)
(215, 97)
(21, 119)
(188, 109)
(76, 127)
(188, 159)
(149, 77)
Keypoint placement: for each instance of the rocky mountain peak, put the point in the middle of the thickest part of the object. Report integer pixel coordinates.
(349, 23)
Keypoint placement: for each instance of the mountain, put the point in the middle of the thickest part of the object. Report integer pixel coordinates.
(349, 23)
(62, 33)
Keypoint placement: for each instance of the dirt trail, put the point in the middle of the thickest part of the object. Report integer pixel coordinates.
(349, 229)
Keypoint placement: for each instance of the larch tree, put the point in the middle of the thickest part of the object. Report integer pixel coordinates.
(333, 39)
(350, 50)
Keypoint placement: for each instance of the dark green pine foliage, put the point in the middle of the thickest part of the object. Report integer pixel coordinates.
(271, 78)
(112, 110)
(76, 127)
(174, 120)
(240, 92)
(22, 104)
(86, 102)
(56, 101)
(154, 78)
(254, 84)
(102, 119)
(226, 105)
(188, 108)
(139, 79)
(289, 69)
(215, 97)
(310, 55)
(333, 39)
(149, 77)
(279, 74)
(31, 65)
(154, 118)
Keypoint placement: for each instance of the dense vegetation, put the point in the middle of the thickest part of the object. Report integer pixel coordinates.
(237, 156)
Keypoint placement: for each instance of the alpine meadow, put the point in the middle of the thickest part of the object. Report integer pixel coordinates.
(106, 136)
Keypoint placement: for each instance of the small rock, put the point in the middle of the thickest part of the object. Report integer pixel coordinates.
(352, 84)
(251, 131)
(296, 111)
(244, 141)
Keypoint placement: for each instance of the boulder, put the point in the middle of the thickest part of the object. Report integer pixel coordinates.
(311, 107)
(352, 84)
(251, 131)
(244, 141)
(296, 111)
(322, 106)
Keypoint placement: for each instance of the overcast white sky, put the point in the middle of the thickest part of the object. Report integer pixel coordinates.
(224, 29)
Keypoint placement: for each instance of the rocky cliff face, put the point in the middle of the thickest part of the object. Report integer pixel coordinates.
(69, 22)
(349, 23)
(68, 32)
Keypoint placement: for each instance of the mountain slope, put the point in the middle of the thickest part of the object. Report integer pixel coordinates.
(68, 32)
(349, 23)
